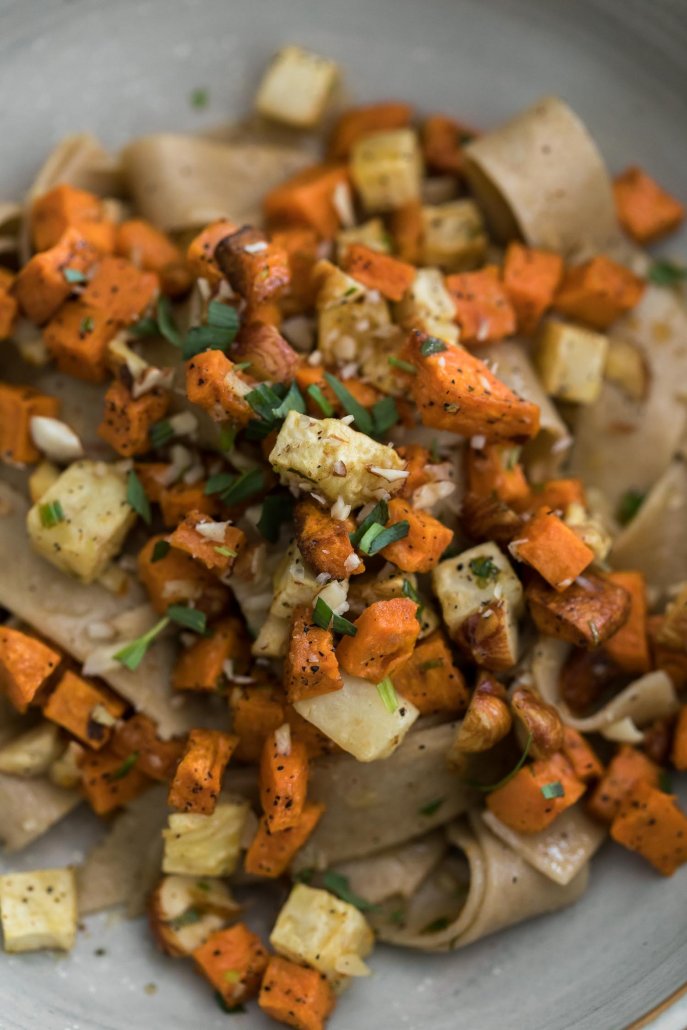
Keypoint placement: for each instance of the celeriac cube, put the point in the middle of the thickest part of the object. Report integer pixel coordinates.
(296, 87)
(272, 640)
(372, 233)
(328, 457)
(357, 719)
(39, 910)
(295, 584)
(428, 305)
(626, 367)
(97, 516)
(348, 314)
(454, 236)
(320, 930)
(41, 479)
(205, 845)
(570, 361)
(386, 169)
(33, 752)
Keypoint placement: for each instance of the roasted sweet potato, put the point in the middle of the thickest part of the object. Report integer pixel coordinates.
(430, 680)
(78, 337)
(324, 541)
(310, 667)
(679, 750)
(307, 198)
(200, 255)
(9, 307)
(586, 614)
(407, 228)
(138, 735)
(233, 960)
(178, 579)
(271, 852)
(443, 139)
(18, 405)
(197, 780)
(110, 781)
(651, 823)
(625, 769)
(523, 804)
(283, 781)
(581, 755)
(268, 354)
(495, 472)
(645, 210)
(85, 709)
(385, 638)
(207, 663)
(127, 420)
(214, 544)
(47, 279)
(547, 544)
(291, 994)
(121, 290)
(66, 207)
(213, 384)
(485, 518)
(598, 291)
(629, 647)
(483, 308)
(26, 666)
(425, 542)
(175, 501)
(256, 269)
(151, 249)
(388, 275)
(530, 278)
(358, 122)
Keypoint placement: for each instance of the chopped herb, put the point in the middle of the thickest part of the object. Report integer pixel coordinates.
(321, 401)
(436, 925)
(484, 570)
(160, 433)
(361, 416)
(410, 591)
(304, 876)
(341, 625)
(199, 97)
(225, 552)
(434, 663)
(189, 618)
(487, 788)
(187, 918)
(74, 275)
(379, 514)
(384, 415)
(665, 781)
(276, 509)
(369, 537)
(323, 616)
(387, 692)
(205, 337)
(339, 885)
(125, 768)
(50, 514)
(629, 505)
(434, 451)
(292, 402)
(397, 917)
(432, 808)
(165, 322)
(263, 400)
(223, 316)
(227, 437)
(136, 496)
(161, 550)
(241, 366)
(387, 536)
(231, 1010)
(594, 631)
(511, 457)
(145, 327)
(131, 655)
(235, 489)
(432, 346)
(405, 366)
(553, 790)
(87, 325)
(666, 273)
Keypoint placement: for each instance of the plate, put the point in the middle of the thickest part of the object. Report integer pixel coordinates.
(129, 67)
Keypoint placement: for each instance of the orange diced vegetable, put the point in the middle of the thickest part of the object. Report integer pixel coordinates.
(324, 541)
(629, 647)
(385, 638)
(430, 680)
(120, 289)
(197, 781)
(358, 122)
(407, 229)
(483, 309)
(210, 660)
(65, 207)
(672, 660)
(78, 337)
(267, 352)
(625, 769)
(127, 420)
(556, 494)
(215, 554)
(378, 271)
(201, 251)
(233, 960)
(581, 755)
(551, 547)
(152, 475)
(270, 853)
(427, 538)
(651, 823)
(299, 997)
(178, 579)
(586, 614)
(679, 751)
(417, 459)
(18, 405)
(151, 249)
(283, 782)
(207, 386)
(110, 781)
(495, 471)
(26, 665)
(301, 245)
(9, 307)
(645, 210)
(44, 284)
(530, 278)
(443, 139)
(308, 199)
(310, 667)
(138, 735)
(522, 803)
(84, 709)
(256, 713)
(454, 390)
(598, 292)
(255, 268)
(177, 500)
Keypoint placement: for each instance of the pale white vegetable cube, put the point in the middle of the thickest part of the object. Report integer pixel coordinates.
(205, 845)
(428, 305)
(41, 479)
(357, 719)
(309, 453)
(627, 368)
(39, 910)
(272, 640)
(570, 361)
(33, 752)
(454, 236)
(347, 315)
(372, 233)
(386, 169)
(97, 517)
(293, 583)
(320, 930)
(296, 87)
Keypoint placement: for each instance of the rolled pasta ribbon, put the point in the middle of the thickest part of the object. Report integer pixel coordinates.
(31, 807)
(395, 872)
(541, 176)
(81, 161)
(501, 889)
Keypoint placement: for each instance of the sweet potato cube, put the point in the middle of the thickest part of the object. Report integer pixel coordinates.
(85, 710)
(177, 500)
(425, 542)
(388, 275)
(65, 207)
(138, 735)
(598, 292)
(256, 713)
(651, 823)
(358, 122)
(197, 781)
(214, 544)
(271, 853)
(629, 647)
(283, 781)
(625, 769)
(523, 804)
(121, 290)
(551, 547)
(645, 210)
(385, 637)
(586, 614)
(679, 750)
(256, 269)
(555, 494)
(127, 420)
(494, 471)
(324, 542)
(212, 660)
(18, 405)
(294, 995)
(530, 278)
(430, 680)
(109, 781)
(483, 308)
(151, 249)
(47, 279)
(9, 306)
(213, 385)
(407, 229)
(233, 960)
(307, 198)
(310, 667)
(78, 337)
(443, 139)
(26, 665)
(178, 579)
(581, 755)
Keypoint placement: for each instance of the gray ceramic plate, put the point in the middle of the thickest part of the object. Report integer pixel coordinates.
(122, 67)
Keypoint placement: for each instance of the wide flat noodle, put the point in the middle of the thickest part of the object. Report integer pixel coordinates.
(545, 454)
(561, 850)
(30, 807)
(655, 542)
(649, 430)
(62, 608)
(540, 175)
(122, 867)
(650, 697)
(376, 805)
(81, 161)
(182, 182)
(503, 889)
(395, 872)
